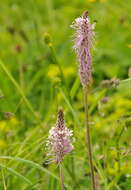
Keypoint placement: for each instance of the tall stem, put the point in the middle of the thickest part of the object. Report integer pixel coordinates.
(88, 138)
(61, 177)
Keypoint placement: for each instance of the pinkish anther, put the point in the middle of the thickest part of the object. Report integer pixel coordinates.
(84, 37)
(59, 140)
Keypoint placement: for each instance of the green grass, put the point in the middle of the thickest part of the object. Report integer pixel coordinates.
(36, 78)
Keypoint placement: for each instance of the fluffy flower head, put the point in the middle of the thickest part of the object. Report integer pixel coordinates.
(84, 38)
(59, 140)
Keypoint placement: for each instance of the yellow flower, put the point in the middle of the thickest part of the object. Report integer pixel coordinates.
(92, 1)
(6, 125)
(69, 71)
(3, 144)
(129, 46)
(122, 102)
(116, 166)
(53, 71)
(103, 1)
(113, 153)
(13, 121)
(113, 170)
(3, 126)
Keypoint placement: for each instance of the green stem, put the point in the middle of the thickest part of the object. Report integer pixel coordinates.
(61, 177)
(125, 80)
(88, 138)
(21, 84)
(55, 60)
(118, 147)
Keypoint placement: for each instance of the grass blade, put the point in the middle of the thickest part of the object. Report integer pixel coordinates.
(2, 65)
(16, 174)
(33, 164)
(70, 107)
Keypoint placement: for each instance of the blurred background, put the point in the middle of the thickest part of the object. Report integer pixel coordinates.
(39, 73)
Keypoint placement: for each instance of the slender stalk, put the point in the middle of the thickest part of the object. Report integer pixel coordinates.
(61, 177)
(4, 183)
(53, 53)
(88, 138)
(21, 81)
(118, 148)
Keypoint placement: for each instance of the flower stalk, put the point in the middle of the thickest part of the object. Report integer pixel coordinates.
(83, 44)
(88, 137)
(61, 177)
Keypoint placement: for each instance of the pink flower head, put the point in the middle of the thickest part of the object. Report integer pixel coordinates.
(59, 140)
(84, 37)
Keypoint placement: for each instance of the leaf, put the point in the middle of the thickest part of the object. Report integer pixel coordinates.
(18, 88)
(16, 174)
(35, 165)
(75, 88)
(70, 107)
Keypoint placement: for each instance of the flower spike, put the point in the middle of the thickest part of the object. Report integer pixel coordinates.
(59, 140)
(84, 38)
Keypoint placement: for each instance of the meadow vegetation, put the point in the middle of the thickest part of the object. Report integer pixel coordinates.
(39, 74)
